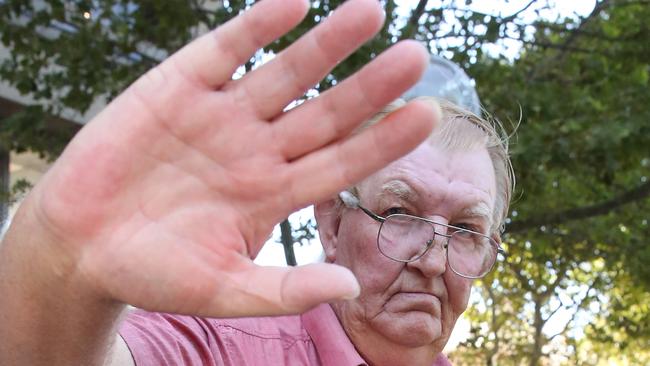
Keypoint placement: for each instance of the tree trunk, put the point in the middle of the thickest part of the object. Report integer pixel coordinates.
(287, 242)
(536, 353)
(4, 186)
(491, 361)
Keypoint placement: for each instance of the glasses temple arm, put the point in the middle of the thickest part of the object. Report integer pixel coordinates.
(351, 201)
(373, 215)
(502, 251)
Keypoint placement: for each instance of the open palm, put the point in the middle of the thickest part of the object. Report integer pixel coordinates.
(164, 198)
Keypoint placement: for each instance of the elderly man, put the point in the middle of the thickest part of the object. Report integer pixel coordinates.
(164, 198)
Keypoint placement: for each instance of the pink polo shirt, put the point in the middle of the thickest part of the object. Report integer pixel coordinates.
(313, 338)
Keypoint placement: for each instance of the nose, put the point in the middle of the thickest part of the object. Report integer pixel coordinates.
(434, 262)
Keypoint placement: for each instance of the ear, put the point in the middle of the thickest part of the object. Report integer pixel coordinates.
(328, 220)
(496, 237)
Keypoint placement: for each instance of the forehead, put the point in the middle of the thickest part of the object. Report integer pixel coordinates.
(432, 175)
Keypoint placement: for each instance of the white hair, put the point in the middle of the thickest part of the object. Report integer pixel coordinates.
(461, 129)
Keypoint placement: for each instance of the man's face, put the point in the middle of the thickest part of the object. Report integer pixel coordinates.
(412, 304)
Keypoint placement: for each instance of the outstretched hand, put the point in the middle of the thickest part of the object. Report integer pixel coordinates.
(164, 198)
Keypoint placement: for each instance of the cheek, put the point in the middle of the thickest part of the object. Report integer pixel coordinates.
(458, 290)
(356, 245)
(357, 250)
(376, 284)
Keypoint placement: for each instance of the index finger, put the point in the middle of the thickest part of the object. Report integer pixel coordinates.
(212, 59)
(324, 172)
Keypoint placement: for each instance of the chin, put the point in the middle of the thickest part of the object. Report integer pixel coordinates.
(413, 329)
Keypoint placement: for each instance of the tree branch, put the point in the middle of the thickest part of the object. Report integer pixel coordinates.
(550, 315)
(561, 275)
(562, 47)
(523, 280)
(567, 45)
(515, 14)
(634, 36)
(286, 238)
(600, 6)
(390, 17)
(639, 193)
(412, 23)
(578, 305)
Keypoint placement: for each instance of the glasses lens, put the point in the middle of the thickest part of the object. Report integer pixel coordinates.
(471, 254)
(403, 237)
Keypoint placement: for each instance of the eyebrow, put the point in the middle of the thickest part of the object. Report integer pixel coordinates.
(479, 210)
(399, 189)
(404, 191)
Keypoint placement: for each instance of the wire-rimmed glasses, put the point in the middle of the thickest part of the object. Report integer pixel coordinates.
(406, 238)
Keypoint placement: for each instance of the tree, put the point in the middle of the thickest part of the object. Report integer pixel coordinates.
(576, 86)
(583, 169)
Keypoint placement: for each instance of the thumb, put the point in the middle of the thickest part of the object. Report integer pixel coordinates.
(261, 291)
(310, 285)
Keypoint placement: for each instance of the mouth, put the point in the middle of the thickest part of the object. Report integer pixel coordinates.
(403, 302)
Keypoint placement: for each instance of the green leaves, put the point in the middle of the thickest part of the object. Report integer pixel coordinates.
(31, 129)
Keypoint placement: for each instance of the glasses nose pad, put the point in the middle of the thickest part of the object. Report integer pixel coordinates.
(431, 242)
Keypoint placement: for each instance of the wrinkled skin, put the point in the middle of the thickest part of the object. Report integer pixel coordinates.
(408, 310)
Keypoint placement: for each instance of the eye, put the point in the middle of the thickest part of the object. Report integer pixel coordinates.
(467, 226)
(394, 211)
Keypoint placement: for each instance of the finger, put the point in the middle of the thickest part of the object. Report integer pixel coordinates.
(212, 59)
(356, 99)
(308, 60)
(282, 290)
(323, 173)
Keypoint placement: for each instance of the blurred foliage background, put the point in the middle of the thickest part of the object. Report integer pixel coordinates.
(574, 287)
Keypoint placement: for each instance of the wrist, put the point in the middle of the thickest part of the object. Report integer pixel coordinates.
(46, 307)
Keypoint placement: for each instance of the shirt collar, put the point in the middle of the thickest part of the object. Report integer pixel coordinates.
(332, 344)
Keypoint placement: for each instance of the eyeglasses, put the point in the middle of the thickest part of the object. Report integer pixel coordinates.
(406, 238)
